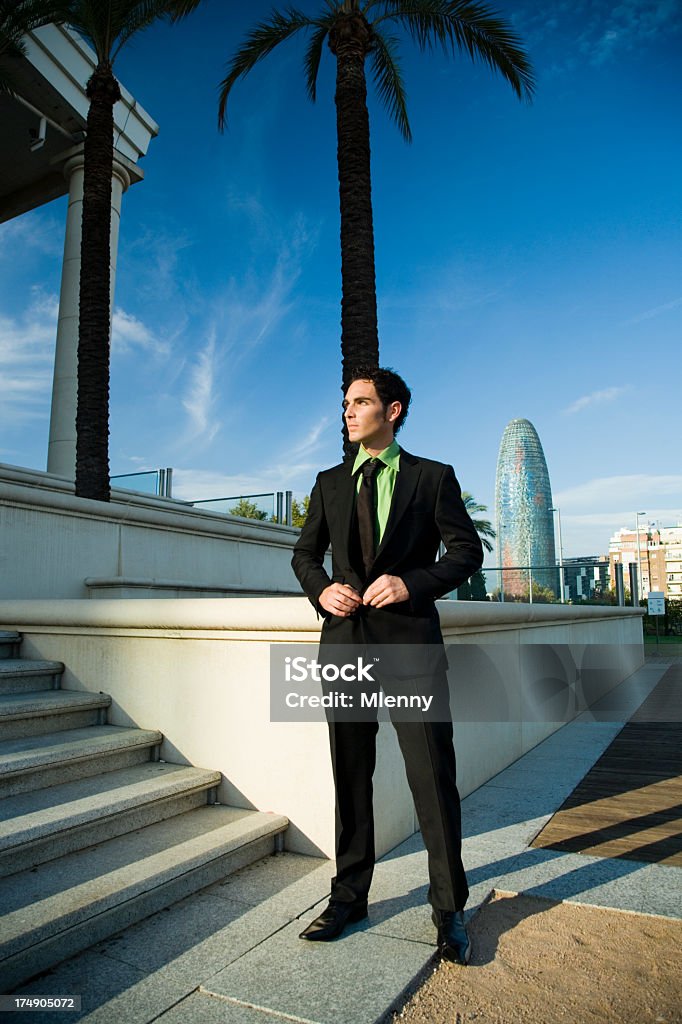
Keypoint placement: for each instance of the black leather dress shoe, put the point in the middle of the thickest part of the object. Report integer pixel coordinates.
(330, 924)
(453, 939)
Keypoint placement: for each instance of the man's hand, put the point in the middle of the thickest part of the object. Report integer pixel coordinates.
(385, 590)
(339, 599)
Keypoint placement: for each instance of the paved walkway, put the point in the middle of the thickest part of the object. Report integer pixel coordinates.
(231, 954)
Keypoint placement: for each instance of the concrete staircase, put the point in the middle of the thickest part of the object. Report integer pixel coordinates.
(96, 832)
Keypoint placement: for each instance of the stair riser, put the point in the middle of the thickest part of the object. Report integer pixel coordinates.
(29, 684)
(52, 721)
(129, 819)
(9, 645)
(53, 950)
(30, 779)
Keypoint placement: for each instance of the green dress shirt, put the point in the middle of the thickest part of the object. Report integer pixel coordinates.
(385, 482)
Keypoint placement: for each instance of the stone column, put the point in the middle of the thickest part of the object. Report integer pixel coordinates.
(61, 452)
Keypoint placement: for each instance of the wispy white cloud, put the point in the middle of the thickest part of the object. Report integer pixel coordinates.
(638, 491)
(154, 257)
(310, 442)
(191, 484)
(129, 333)
(583, 31)
(37, 230)
(590, 534)
(594, 398)
(203, 484)
(26, 360)
(199, 398)
(455, 291)
(243, 317)
(626, 26)
(650, 314)
(593, 511)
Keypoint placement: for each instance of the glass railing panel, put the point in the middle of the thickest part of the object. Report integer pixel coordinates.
(146, 482)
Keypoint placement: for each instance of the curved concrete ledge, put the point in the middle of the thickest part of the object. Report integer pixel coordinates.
(486, 614)
(25, 488)
(54, 541)
(284, 614)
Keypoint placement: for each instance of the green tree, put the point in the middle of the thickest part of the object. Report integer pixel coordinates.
(299, 511)
(107, 25)
(479, 590)
(475, 588)
(360, 31)
(541, 595)
(248, 509)
(484, 528)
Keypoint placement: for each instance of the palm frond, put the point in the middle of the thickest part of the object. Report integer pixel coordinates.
(17, 17)
(259, 43)
(389, 82)
(467, 26)
(132, 16)
(484, 528)
(313, 54)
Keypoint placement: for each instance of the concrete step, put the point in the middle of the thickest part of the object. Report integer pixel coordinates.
(21, 675)
(35, 762)
(42, 825)
(9, 644)
(65, 906)
(35, 714)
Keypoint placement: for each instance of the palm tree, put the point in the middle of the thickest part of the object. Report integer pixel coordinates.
(484, 527)
(17, 17)
(107, 25)
(357, 31)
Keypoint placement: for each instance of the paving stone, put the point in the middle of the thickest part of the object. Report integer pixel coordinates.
(194, 938)
(577, 878)
(291, 883)
(352, 980)
(206, 1008)
(96, 978)
(662, 890)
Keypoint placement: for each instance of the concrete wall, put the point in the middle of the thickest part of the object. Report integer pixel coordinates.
(198, 670)
(54, 545)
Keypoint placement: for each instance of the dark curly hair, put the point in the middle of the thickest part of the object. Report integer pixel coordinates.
(390, 387)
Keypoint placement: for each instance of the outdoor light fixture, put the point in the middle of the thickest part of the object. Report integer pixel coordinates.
(639, 557)
(38, 136)
(561, 555)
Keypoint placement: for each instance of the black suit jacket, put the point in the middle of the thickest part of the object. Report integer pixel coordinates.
(426, 508)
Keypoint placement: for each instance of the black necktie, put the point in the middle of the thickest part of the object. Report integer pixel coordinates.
(366, 506)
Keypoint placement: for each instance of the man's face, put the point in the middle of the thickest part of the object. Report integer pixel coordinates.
(367, 421)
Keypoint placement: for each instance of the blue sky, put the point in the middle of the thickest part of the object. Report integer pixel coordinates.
(528, 264)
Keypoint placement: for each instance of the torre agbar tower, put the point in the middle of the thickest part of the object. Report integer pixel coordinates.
(523, 499)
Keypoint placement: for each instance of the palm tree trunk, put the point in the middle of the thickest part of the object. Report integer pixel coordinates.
(92, 416)
(349, 40)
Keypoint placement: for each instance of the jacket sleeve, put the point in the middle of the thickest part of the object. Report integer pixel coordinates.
(463, 549)
(309, 551)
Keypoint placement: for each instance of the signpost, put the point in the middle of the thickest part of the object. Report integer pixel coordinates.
(656, 606)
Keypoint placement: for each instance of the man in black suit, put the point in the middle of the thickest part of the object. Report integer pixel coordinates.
(385, 514)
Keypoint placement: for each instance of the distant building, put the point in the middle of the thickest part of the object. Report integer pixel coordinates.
(671, 538)
(523, 499)
(659, 556)
(586, 578)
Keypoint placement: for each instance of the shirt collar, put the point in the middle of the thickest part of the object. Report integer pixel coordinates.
(390, 457)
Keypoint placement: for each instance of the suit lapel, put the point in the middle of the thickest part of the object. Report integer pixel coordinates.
(405, 486)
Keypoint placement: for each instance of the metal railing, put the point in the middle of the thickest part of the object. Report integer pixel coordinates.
(272, 506)
(574, 582)
(153, 481)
